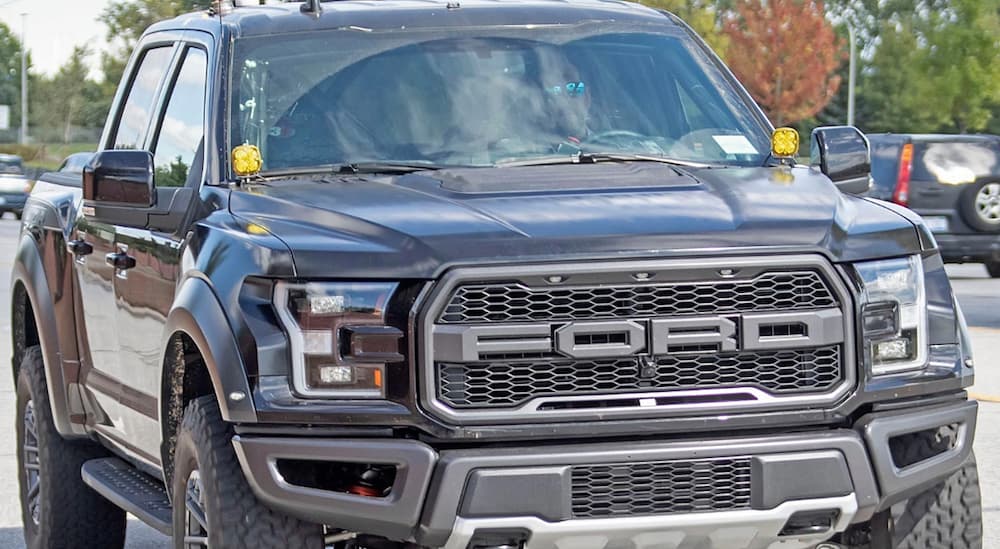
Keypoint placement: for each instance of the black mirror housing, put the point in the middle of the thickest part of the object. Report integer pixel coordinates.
(843, 154)
(120, 178)
(119, 188)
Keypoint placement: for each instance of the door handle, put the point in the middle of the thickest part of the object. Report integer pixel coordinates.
(120, 261)
(79, 248)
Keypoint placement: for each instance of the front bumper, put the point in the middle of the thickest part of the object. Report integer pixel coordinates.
(461, 498)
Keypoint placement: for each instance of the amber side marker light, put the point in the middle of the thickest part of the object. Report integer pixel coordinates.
(784, 143)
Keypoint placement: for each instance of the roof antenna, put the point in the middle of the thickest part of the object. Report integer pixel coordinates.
(312, 7)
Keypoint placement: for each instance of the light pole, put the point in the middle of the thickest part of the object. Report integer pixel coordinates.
(24, 80)
(850, 76)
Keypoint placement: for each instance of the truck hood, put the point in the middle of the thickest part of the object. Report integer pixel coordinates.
(417, 225)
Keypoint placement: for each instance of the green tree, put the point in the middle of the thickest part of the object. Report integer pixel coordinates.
(60, 102)
(934, 68)
(126, 21)
(704, 16)
(10, 73)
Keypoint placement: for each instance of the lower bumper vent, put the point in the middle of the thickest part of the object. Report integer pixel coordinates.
(660, 488)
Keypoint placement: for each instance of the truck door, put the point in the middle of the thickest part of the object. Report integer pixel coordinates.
(103, 371)
(145, 294)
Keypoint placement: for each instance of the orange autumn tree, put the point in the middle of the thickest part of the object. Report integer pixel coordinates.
(786, 54)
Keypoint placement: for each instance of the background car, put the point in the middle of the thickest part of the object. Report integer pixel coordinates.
(953, 181)
(74, 163)
(14, 185)
(11, 164)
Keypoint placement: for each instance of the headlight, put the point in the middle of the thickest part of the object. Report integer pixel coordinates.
(339, 341)
(894, 314)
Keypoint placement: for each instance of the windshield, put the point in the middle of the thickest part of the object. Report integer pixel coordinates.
(11, 166)
(488, 96)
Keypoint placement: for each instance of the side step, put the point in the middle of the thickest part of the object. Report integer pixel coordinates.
(130, 489)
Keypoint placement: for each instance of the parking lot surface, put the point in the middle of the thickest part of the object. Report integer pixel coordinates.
(979, 295)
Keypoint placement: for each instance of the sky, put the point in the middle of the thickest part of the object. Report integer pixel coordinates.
(55, 27)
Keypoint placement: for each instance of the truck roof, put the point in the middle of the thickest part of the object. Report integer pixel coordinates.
(389, 14)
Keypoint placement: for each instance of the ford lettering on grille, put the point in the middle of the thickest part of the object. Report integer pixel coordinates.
(618, 338)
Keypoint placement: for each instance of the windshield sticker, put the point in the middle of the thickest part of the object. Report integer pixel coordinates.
(734, 144)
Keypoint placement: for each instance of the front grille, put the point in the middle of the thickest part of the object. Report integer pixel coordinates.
(581, 342)
(514, 302)
(660, 488)
(511, 383)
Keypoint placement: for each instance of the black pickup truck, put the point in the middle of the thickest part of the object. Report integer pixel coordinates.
(478, 275)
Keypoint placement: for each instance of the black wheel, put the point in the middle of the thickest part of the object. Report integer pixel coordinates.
(948, 516)
(980, 206)
(213, 504)
(993, 268)
(58, 509)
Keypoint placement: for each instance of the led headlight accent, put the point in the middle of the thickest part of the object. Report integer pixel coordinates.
(894, 314)
(339, 341)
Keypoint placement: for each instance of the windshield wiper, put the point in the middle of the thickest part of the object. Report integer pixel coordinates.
(593, 158)
(353, 168)
(388, 167)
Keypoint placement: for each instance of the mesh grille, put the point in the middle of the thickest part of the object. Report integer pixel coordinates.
(507, 384)
(660, 488)
(515, 303)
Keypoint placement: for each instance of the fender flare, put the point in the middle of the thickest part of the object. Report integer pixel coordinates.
(29, 272)
(198, 314)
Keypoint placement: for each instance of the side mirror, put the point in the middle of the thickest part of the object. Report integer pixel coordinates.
(118, 188)
(120, 178)
(842, 153)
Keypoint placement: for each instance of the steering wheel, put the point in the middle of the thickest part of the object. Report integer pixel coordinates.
(616, 136)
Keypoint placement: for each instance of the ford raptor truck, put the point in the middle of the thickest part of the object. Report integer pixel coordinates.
(478, 274)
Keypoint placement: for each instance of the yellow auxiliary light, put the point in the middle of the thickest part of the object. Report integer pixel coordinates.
(785, 143)
(247, 160)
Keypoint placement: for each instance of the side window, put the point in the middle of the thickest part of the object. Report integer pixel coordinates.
(139, 106)
(180, 136)
(885, 163)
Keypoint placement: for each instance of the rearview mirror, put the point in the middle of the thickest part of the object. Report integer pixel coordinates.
(842, 153)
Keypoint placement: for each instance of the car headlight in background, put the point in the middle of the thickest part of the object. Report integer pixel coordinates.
(894, 314)
(340, 343)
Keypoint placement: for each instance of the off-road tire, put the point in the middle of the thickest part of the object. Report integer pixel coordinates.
(948, 516)
(993, 268)
(71, 516)
(236, 519)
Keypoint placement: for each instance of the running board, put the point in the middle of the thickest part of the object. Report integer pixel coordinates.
(130, 489)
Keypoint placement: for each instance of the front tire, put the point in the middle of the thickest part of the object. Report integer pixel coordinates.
(213, 504)
(947, 516)
(59, 511)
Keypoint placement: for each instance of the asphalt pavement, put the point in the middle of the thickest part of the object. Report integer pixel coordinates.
(978, 294)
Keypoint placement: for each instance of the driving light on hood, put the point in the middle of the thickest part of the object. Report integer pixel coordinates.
(247, 160)
(784, 143)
